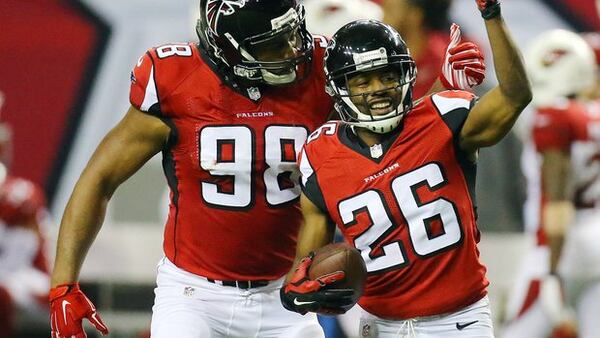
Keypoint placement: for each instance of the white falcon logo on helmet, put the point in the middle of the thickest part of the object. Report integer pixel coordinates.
(216, 8)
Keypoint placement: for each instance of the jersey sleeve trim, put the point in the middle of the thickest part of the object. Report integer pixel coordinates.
(309, 184)
(454, 110)
(151, 95)
(143, 93)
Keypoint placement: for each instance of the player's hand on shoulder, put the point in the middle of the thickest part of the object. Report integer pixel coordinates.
(68, 307)
(302, 294)
(464, 66)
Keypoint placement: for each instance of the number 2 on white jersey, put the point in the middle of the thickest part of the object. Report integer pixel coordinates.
(418, 215)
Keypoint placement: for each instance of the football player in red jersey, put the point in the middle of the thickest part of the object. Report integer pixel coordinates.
(561, 163)
(398, 179)
(229, 116)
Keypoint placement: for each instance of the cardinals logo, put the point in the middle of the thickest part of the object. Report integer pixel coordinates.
(216, 8)
(552, 57)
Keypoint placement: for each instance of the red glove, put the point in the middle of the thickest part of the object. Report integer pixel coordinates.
(464, 65)
(68, 306)
(489, 8)
(302, 294)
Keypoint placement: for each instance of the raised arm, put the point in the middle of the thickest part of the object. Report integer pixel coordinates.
(495, 113)
(123, 151)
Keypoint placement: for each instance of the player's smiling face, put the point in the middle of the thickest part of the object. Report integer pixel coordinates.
(375, 92)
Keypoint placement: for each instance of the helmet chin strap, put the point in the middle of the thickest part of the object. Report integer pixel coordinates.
(267, 76)
(380, 127)
(275, 79)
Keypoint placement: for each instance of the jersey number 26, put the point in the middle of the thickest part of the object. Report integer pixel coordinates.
(419, 217)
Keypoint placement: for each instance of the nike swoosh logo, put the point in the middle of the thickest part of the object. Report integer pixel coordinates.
(462, 326)
(302, 303)
(64, 308)
(97, 321)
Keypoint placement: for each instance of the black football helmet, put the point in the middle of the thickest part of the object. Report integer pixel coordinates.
(260, 41)
(363, 46)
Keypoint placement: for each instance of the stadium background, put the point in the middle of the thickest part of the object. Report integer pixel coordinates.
(64, 72)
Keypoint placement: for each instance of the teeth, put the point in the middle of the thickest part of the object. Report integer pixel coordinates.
(380, 105)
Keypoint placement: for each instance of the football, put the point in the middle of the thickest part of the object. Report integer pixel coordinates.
(340, 257)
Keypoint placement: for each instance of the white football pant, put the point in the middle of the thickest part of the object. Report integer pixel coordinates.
(188, 306)
(580, 270)
(473, 321)
(525, 315)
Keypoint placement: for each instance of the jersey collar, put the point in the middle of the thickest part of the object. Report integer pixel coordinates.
(352, 141)
(254, 93)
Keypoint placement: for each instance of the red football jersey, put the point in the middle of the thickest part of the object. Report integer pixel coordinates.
(22, 203)
(231, 161)
(575, 128)
(407, 205)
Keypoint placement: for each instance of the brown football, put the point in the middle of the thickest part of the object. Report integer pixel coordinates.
(340, 257)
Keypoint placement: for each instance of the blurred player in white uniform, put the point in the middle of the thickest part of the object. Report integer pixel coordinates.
(24, 278)
(561, 161)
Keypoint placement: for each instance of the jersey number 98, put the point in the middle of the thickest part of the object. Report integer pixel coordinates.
(230, 152)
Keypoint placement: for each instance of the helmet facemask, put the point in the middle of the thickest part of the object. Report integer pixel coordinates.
(279, 56)
(380, 110)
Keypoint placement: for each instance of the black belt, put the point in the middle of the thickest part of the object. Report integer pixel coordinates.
(242, 284)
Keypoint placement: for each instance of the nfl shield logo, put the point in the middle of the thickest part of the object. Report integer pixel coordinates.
(254, 93)
(365, 331)
(189, 291)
